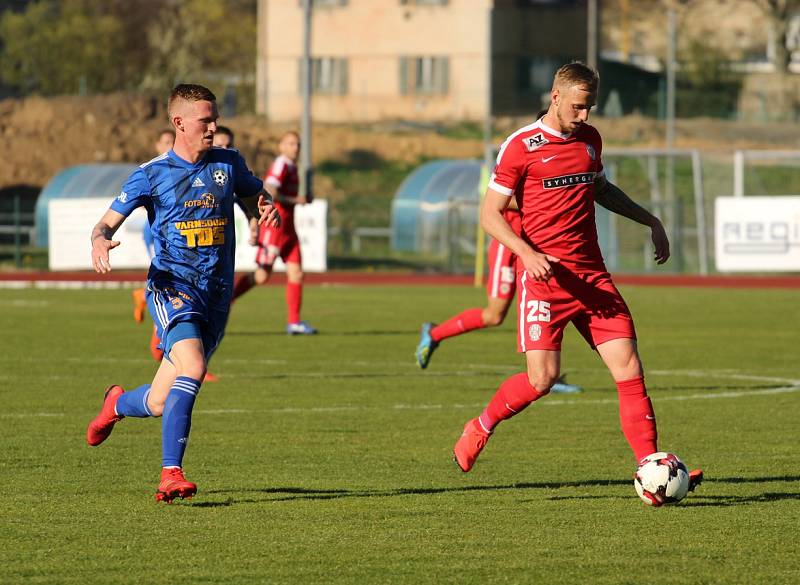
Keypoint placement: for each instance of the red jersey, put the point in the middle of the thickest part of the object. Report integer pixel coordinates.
(284, 177)
(552, 176)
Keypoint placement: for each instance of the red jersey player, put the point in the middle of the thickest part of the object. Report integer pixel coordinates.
(500, 290)
(553, 168)
(282, 183)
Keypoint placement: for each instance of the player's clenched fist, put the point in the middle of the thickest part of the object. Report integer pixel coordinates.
(539, 266)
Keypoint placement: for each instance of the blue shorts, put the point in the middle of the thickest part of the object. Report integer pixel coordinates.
(180, 312)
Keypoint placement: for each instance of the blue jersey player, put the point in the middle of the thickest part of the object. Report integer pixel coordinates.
(188, 192)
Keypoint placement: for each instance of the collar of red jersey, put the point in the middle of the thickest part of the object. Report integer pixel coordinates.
(552, 131)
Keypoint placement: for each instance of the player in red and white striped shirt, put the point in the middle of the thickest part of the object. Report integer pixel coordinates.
(554, 170)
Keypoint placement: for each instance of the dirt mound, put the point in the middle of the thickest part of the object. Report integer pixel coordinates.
(41, 136)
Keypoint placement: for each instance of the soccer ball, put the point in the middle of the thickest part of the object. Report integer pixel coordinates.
(661, 479)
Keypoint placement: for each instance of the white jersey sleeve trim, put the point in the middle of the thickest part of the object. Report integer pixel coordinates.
(495, 186)
(152, 160)
(273, 181)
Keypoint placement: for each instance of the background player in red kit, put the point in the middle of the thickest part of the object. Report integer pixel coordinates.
(282, 183)
(500, 290)
(553, 168)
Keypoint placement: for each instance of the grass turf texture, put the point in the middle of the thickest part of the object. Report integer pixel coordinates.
(328, 459)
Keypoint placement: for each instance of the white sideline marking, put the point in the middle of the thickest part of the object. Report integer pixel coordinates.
(27, 303)
(568, 402)
(70, 284)
(791, 386)
(31, 414)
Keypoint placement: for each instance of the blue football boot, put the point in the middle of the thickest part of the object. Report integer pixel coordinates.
(561, 387)
(426, 345)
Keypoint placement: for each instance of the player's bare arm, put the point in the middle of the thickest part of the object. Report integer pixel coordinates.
(537, 265)
(614, 199)
(261, 205)
(102, 243)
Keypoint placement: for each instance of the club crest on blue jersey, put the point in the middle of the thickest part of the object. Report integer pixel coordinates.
(220, 177)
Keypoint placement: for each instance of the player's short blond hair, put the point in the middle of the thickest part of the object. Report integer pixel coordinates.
(190, 92)
(289, 133)
(576, 73)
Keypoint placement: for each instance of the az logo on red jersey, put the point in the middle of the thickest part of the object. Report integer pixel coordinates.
(533, 142)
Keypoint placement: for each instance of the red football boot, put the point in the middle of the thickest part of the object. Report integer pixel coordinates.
(695, 478)
(209, 377)
(102, 425)
(174, 485)
(470, 445)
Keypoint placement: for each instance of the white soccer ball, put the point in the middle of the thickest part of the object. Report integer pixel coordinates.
(662, 478)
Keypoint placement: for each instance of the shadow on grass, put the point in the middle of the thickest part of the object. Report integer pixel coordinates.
(294, 493)
(288, 494)
(723, 501)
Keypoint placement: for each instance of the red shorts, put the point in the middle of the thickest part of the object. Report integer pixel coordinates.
(589, 300)
(277, 243)
(502, 272)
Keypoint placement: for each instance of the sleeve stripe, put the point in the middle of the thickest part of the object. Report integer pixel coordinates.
(274, 181)
(514, 135)
(494, 186)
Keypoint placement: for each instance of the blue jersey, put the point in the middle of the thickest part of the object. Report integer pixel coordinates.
(191, 212)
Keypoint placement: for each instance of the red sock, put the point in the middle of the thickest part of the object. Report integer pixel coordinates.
(242, 284)
(513, 396)
(637, 417)
(294, 298)
(461, 323)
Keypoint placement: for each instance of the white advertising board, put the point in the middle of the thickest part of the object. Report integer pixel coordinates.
(71, 221)
(760, 234)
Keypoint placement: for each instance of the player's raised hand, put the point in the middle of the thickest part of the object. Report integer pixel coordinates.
(539, 266)
(267, 212)
(100, 249)
(660, 241)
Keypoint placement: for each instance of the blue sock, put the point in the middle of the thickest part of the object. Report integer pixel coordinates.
(134, 402)
(177, 420)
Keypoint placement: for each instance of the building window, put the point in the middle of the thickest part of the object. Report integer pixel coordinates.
(424, 75)
(535, 74)
(328, 75)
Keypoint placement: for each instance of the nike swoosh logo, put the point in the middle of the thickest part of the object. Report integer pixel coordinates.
(549, 158)
(648, 417)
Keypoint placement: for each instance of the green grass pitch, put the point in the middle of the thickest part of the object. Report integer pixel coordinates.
(328, 459)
